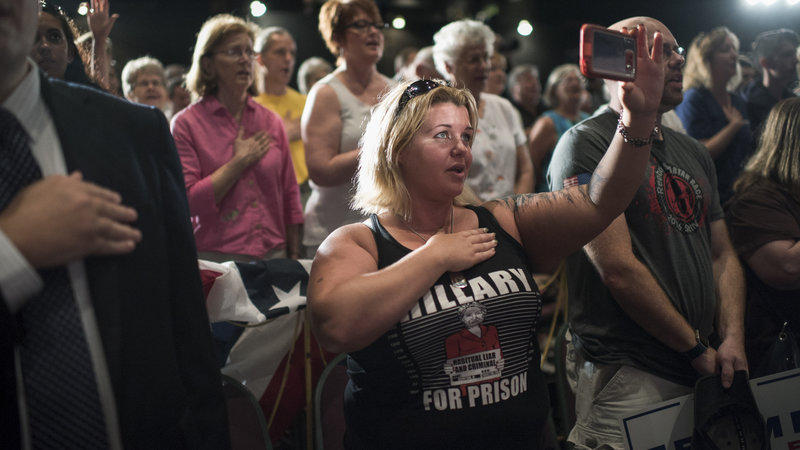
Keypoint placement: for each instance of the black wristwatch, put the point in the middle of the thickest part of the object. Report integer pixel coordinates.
(698, 349)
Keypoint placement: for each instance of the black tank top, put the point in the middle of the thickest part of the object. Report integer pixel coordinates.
(462, 368)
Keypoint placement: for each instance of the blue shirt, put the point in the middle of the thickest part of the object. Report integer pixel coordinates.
(702, 117)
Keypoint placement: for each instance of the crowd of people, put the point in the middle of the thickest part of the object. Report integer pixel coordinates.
(427, 201)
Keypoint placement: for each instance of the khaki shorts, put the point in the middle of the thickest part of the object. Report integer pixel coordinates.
(604, 393)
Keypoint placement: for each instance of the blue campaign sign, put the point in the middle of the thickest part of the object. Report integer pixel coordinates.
(663, 426)
(778, 399)
(669, 425)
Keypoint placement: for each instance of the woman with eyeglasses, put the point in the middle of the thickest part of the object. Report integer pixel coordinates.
(242, 191)
(336, 110)
(502, 165)
(394, 290)
(143, 81)
(710, 111)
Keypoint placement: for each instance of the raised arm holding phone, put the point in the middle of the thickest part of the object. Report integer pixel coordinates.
(649, 291)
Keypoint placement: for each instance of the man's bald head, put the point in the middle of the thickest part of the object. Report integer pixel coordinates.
(652, 25)
(673, 80)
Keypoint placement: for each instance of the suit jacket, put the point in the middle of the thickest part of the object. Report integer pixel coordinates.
(148, 303)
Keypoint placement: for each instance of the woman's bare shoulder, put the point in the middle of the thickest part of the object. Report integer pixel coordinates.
(349, 241)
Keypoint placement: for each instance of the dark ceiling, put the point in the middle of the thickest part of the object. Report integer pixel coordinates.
(166, 29)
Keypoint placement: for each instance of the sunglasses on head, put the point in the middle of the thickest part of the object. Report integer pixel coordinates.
(416, 89)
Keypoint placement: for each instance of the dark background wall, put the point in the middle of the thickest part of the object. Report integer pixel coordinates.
(167, 29)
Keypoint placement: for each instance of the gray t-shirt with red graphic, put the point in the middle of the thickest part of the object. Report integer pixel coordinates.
(669, 221)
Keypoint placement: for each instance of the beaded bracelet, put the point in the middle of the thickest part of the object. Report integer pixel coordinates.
(636, 142)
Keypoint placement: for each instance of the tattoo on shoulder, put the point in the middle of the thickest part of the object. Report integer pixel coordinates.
(515, 202)
(507, 202)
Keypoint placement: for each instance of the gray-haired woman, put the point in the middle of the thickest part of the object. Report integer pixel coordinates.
(501, 164)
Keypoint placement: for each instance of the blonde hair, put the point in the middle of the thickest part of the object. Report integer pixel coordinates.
(212, 33)
(777, 158)
(380, 186)
(698, 61)
(335, 15)
(555, 78)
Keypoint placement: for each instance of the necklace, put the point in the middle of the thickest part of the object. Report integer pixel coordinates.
(456, 278)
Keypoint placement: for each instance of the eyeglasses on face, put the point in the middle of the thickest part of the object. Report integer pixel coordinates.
(155, 82)
(363, 25)
(416, 89)
(670, 49)
(237, 52)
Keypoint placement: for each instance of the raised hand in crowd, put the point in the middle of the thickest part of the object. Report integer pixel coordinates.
(100, 24)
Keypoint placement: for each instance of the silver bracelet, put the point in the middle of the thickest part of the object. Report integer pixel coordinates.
(636, 142)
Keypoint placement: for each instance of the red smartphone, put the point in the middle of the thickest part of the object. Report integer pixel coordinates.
(607, 54)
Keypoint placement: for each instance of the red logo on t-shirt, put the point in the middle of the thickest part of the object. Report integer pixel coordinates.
(679, 196)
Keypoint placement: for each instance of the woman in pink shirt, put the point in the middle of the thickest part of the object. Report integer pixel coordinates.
(242, 191)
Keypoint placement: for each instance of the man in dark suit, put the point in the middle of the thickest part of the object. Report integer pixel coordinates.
(94, 221)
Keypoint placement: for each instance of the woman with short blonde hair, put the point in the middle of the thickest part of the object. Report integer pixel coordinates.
(710, 112)
(388, 290)
(380, 188)
(697, 72)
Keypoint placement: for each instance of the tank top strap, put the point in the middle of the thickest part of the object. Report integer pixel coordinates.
(378, 232)
(389, 250)
(487, 220)
(342, 93)
(345, 96)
